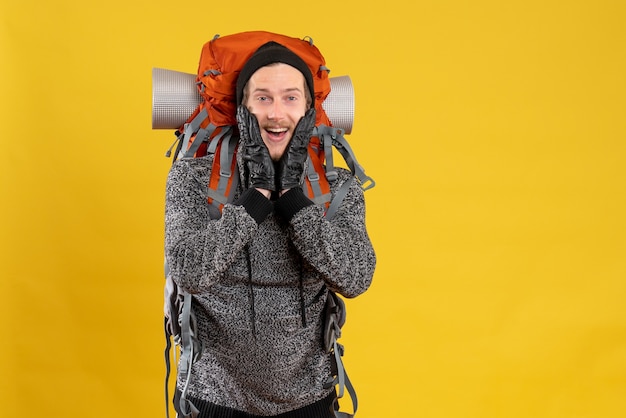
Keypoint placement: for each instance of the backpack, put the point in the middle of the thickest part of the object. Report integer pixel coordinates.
(212, 129)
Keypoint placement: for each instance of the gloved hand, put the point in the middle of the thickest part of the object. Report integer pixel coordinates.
(291, 164)
(255, 153)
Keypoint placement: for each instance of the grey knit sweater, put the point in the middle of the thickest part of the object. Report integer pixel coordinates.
(260, 290)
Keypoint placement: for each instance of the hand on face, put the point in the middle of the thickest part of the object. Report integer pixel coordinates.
(291, 165)
(255, 153)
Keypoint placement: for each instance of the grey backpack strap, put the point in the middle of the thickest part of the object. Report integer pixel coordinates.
(345, 150)
(314, 179)
(189, 354)
(171, 330)
(334, 318)
(344, 382)
(190, 129)
(203, 135)
(339, 197)
(227, 151)
(334, 137)
(180, 326)
(325, 134)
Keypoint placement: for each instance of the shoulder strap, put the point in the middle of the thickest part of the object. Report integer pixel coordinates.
(334, 137)
(339, 197)
(316, 184)
(224, 174)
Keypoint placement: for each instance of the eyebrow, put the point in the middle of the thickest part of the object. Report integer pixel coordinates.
(287, 90)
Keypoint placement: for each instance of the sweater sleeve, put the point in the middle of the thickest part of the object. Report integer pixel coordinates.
(340, 248)
(198, 249)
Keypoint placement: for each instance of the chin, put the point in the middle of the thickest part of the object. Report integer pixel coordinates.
(276, 152)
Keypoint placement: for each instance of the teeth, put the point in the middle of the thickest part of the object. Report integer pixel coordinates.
(277, 130)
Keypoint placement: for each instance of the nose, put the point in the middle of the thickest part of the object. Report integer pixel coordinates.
(276, 111)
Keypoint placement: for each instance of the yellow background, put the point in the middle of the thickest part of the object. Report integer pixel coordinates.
(495, 131)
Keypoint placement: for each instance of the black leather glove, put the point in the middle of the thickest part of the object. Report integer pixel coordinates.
(291, 165)
(255, 153)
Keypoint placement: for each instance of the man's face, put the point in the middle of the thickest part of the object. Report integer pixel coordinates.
(276, 96)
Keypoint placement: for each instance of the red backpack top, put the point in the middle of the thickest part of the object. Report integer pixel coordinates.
(222, 59)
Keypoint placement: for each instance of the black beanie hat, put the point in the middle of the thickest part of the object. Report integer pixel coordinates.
(270, 53)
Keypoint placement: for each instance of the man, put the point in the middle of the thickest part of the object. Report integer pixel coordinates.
(260, 273)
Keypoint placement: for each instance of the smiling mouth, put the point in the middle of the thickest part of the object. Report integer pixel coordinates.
(276, 134)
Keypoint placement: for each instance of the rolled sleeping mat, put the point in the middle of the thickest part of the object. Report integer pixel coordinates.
(175, 97)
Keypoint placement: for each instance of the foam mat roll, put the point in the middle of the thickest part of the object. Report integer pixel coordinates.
(175, 97)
